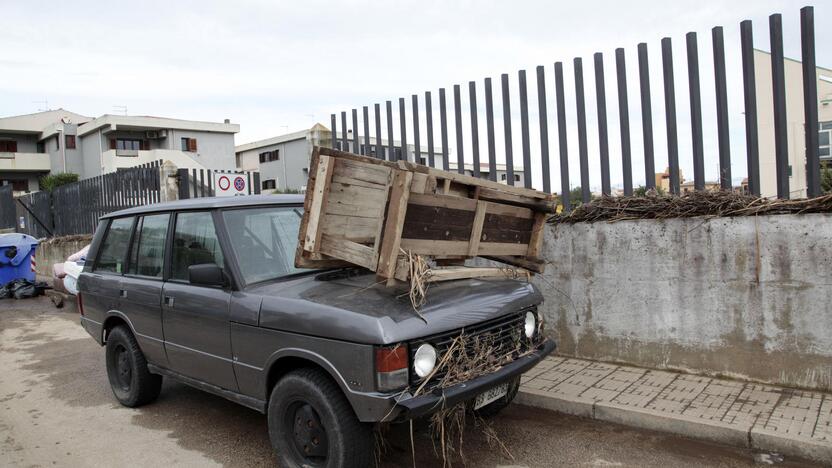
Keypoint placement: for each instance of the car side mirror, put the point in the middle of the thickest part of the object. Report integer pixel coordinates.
(206, 274)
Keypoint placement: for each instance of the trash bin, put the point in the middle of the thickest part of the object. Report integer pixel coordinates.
(16, 253)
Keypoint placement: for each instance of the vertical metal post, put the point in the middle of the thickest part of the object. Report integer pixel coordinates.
(443, 129)
(562, 143)
(429, 128)
(417, 144)
(722, 110)
(670, 115)
(778, 81)
(366, 116)
(489, 128)
(695, 112)
(583, 156)
(603, 143)
(624, 121)
(750, 99)
(810, 100)
(344, 145)
(334, 130)
(391, 147)
(475, 131)
(356, 145)
(646, 117)
(544, 128)
(460, 159)
(507, 129)
(379, 152)
(403, 130)
(524, 130)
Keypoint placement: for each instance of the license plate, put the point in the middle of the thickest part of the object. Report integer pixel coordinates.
(490, 396)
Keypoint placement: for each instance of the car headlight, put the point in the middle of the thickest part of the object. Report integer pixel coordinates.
(530, 325)
(425, 360)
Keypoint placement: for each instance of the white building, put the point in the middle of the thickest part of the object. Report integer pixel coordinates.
(794, 120)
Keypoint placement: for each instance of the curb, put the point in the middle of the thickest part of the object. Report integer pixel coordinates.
(745, 436)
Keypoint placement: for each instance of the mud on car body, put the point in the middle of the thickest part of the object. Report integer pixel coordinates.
(205, 292)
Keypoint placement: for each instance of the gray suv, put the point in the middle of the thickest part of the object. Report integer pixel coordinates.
(205, 292)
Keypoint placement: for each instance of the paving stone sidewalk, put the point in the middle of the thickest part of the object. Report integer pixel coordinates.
(763, 417)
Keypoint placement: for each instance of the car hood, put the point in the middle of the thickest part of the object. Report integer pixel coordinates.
(359, 309)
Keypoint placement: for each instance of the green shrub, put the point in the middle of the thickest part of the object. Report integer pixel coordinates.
(53, 181)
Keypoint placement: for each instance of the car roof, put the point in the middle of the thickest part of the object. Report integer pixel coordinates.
(209, 203)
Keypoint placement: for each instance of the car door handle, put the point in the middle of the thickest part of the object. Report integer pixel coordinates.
(122, 293)
(168, 301)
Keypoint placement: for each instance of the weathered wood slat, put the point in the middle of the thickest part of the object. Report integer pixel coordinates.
(316, 210)
(447, 274)
(394, 223)
(352, 252)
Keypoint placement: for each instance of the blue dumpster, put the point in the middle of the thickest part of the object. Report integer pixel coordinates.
(16, 253)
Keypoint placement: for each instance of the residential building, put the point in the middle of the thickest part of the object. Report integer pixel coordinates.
(57, 141)
(688, 186)
(663, 180)
(794, 120)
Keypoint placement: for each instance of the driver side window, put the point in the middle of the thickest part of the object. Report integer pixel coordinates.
(194, 243)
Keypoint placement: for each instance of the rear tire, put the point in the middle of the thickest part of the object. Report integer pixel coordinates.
(132, 383)
(311, 424)
(495, 407)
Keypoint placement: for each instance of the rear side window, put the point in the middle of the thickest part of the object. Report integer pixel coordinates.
(114, 247)
(194, 243)
(147, 254)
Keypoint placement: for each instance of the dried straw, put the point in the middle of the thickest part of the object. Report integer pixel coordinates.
(706, 204)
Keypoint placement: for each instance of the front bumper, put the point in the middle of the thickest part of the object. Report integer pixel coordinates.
(445, 398)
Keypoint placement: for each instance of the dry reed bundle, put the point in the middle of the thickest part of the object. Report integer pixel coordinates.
(706, 204)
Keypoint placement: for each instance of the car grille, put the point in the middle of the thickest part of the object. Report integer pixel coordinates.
(503, 333)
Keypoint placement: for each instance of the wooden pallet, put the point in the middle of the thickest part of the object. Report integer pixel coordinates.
(364, 211)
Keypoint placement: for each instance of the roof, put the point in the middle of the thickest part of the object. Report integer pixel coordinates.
(209, 203)
(300, 135)
(149, 122)
(38, 122)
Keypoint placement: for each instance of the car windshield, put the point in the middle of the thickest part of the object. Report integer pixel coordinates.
(264, 241)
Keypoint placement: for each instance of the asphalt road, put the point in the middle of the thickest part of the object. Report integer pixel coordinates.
(56, 409)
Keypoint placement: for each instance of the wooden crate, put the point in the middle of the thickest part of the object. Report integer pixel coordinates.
(365, 211)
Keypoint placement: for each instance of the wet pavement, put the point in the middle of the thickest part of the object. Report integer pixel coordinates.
(56, 409)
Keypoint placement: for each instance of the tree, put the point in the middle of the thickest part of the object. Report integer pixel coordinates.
(641, 191)
(826, 178)
(53, 181)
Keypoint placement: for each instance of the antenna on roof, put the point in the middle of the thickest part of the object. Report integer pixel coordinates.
(120, 109)
(45, 103)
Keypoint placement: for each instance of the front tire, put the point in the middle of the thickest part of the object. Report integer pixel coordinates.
(311, 424)
(133, 385)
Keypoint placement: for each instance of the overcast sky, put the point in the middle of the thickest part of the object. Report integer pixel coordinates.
(275, 67)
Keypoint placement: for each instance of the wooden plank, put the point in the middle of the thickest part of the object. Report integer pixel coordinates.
(447, 274)
(443, 201)
(534, 265)
(476, 228)
(362, 171)
(351, 200)
(354, 228)
(543, 206)
(344, 180)
(441, 247)
(349, 251)
(510, 210)
(393, 224)
(420, 182)
(536, 241)
(319, 200)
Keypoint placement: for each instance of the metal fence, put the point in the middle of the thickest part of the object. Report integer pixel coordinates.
(75, 208)
(354, 136)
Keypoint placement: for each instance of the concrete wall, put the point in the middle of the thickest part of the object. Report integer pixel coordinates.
(742, 297)
(56, 250)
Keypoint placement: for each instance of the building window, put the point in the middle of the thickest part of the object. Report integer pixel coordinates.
(269, 156)
(189, 145)
(269, 184)
(8, 146)
(127, 144)
(57, 142)
(69, 141)
(305, 171)
(825, 140)
(41, 147)
(517, 177)
(503, 177)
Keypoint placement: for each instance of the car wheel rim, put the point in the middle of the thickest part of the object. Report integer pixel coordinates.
(308, 435)
(124, 371)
